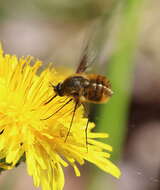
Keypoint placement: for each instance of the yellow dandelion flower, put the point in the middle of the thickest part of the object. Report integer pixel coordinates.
(24, 135)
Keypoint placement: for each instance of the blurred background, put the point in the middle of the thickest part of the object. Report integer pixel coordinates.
(124, 36)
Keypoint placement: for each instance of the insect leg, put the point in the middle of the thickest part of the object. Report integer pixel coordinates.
(86, 133)
(58, 110)
(74, 111)
(50, 100)
(86, 129)
(62, 101)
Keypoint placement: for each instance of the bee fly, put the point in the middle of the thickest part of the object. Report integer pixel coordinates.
(82, 88)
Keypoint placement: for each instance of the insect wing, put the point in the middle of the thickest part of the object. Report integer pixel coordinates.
(93, 45)
(87, 59)
(83, 61)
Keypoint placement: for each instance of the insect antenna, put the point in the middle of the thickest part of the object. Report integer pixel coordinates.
(58, 110)
(52, 85)
(74, 111)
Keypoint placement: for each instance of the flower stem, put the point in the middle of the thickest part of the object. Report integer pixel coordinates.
(113, 116)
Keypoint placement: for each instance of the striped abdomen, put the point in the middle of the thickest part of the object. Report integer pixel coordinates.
(98, 90)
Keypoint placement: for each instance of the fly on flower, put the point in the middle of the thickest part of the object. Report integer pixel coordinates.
(41, 144)
(82, 88)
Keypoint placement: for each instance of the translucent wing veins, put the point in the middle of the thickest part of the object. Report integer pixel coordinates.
(83, 62)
